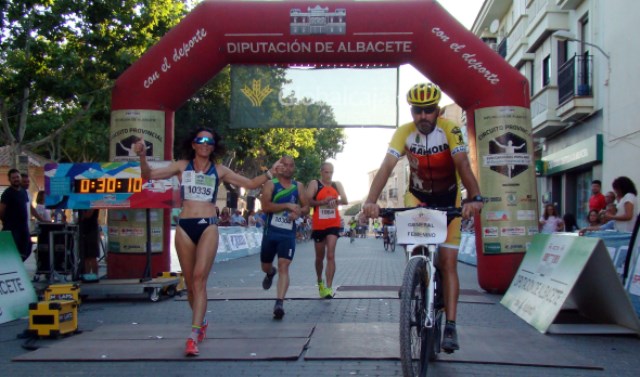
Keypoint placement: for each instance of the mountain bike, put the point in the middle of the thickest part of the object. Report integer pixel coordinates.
(390, 240)
(422, 293)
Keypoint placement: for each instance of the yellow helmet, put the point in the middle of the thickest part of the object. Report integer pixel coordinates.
(424, 94)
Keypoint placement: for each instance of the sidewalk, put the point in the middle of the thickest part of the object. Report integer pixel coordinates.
(363, 263)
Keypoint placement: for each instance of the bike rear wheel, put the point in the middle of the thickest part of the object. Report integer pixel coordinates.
(416, 341)
(392, 242)
(386, 243)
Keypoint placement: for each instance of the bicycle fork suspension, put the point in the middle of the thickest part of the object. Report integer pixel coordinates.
(430, 317)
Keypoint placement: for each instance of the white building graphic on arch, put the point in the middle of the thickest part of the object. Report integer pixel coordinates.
(318, 21)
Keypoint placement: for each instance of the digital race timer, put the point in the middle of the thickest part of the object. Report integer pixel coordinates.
(116, 185)
(107, 185)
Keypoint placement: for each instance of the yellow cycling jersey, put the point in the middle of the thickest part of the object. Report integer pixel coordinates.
(430, 156)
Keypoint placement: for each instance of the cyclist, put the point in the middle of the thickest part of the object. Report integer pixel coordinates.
(387, 221)
(438, 160)
(353, 225)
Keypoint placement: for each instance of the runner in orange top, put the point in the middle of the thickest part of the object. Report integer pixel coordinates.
(437, 160)
(325, 196)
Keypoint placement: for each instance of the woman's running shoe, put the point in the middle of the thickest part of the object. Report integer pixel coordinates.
(191, 348)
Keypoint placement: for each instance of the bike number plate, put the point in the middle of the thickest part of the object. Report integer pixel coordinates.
(421, 226)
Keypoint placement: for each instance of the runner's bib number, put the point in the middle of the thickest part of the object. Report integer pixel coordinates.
(197, 186)
(327, 213)
(281, 220)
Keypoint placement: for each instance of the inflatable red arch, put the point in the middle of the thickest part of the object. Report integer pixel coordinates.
(350, 33)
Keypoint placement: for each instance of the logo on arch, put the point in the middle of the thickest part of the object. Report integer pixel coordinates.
(318, 21)
(508, 155)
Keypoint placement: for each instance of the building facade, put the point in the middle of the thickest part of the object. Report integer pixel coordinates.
(577, 57)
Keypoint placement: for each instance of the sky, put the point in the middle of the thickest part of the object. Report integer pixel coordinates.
(365, 148)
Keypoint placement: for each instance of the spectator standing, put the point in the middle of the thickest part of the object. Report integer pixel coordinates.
(597, 201)
(89, 237)
(41, 210)
(14, 214)
(251, 218)
(627, 207)
(550, 221)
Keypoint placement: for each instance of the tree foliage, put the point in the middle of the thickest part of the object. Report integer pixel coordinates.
(59, 61)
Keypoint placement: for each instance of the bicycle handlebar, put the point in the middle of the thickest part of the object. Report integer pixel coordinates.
(452, 212)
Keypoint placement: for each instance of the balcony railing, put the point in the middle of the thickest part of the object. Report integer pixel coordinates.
(575, 78)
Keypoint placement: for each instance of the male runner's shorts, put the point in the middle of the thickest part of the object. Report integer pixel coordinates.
(320, 235)
(453, 230)
(272, 245)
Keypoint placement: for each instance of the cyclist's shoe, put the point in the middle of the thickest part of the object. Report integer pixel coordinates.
(278, 310)
(202, 334)
(191, 348)
(321, 288)
(268, 279)
(327, 293)
(450, 339)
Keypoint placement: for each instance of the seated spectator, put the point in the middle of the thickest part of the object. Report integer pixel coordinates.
(596, 225)
(593, 218)
(225, 218)
(237, 219)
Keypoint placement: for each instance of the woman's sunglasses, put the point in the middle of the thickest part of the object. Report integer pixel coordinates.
(204, 140)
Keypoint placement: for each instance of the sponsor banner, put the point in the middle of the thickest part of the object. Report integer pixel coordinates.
(226, 244)
(128, 231)
(16, 291)
(313, 98)
(128, 126)
(421, 226)
(238, 241)
(505, 155)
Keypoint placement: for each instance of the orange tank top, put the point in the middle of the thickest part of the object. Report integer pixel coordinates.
(325, 217)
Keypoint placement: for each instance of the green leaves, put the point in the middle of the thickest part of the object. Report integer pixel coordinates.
(60, 56)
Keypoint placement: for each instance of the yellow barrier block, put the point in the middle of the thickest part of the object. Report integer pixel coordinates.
(53, 318)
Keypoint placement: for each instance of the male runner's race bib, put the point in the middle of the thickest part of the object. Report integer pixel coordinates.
(327, 213)
(281, 220)
(198, 187)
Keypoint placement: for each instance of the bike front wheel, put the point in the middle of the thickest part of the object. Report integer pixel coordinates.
(416, 341)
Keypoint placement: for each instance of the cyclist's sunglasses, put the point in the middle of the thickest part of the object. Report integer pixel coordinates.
(426, 110)
(204, 140)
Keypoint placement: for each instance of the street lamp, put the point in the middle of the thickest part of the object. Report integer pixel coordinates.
(564, 35)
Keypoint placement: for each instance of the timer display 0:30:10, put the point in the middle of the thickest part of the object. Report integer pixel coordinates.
(108, 185)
